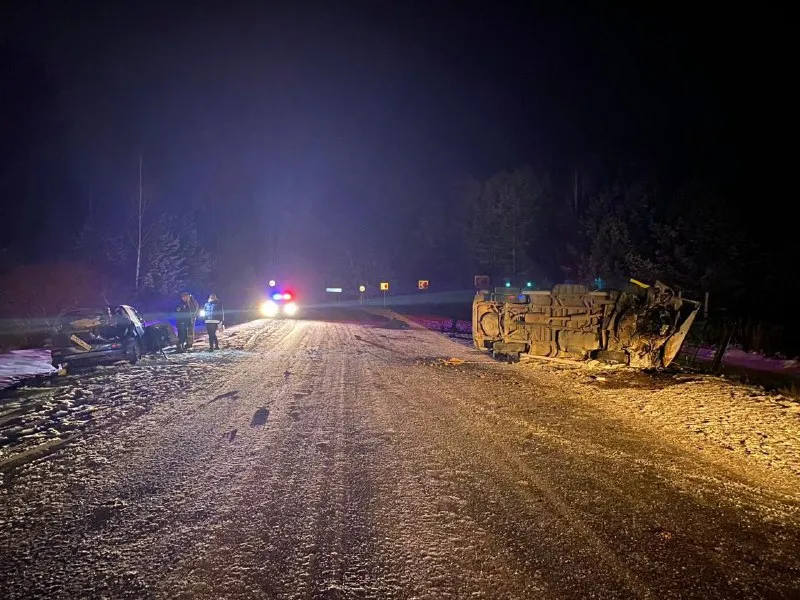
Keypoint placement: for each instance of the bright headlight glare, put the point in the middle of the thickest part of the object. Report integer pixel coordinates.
(290, 308)
(269, 309)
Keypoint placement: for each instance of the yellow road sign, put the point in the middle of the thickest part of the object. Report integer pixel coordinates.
(423, 284)
(384, 286)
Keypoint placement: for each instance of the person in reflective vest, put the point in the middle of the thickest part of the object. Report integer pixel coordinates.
(215, 318)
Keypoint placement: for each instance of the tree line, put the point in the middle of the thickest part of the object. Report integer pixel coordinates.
(518, 223)
(100, 266)
(595, 226)
(170, 256)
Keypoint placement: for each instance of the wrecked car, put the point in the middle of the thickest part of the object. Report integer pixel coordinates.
(643, 327)
(101, 335)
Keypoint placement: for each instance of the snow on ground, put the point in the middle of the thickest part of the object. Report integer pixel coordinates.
(47, 412)
(700, 409)
(21, 364)
(750, 360)
(460, 331)
(338, 460)
(704, 410)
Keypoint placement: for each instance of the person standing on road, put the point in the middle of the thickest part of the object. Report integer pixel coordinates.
(194, 308)
(183, 320)
(215, 318)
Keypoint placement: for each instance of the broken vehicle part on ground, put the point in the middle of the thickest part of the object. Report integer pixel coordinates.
(643, 328)
(96, 335)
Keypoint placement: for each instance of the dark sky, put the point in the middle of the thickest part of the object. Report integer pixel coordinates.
(335, 122)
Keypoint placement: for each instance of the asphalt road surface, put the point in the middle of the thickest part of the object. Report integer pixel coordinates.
(332, 459)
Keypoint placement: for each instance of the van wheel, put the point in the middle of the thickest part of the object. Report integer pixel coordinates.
(134, 352)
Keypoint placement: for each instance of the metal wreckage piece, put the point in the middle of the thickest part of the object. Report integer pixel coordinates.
(643, 328)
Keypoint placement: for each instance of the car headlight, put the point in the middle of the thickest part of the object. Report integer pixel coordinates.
(269, 309)
(289, 308)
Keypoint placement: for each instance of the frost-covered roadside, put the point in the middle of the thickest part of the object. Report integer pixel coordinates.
(700, 410)
(745, 420)
(42, 415)
(736, 357)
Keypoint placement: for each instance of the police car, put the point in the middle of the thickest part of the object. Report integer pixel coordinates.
(280, 303)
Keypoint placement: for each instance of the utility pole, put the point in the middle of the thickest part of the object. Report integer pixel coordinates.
(514, 257)
(140, 216)
(576, 192)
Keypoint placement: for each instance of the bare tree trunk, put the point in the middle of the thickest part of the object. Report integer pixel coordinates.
(140, 214)
(514, 256)
(515, 215)
(576, 192)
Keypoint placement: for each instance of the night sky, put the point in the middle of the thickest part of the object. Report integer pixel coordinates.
(338, 123)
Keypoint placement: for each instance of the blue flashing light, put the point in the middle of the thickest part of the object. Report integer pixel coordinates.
(277, 296)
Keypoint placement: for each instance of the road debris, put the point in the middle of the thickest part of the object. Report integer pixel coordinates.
(453, 361)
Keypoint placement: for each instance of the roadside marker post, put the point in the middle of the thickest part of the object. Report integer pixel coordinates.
(337, 291)
(384, 289)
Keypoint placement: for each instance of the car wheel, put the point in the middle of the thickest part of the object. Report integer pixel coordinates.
(134, 352)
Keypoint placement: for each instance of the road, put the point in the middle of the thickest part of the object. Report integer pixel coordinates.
(333, 459)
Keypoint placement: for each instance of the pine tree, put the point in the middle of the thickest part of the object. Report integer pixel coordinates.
(165, 270)
(198, 262)
(500, 214)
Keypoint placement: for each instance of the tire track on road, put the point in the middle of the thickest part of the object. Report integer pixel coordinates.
(264, 526)
(345, 564)
(143, 505)
(443, 405)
